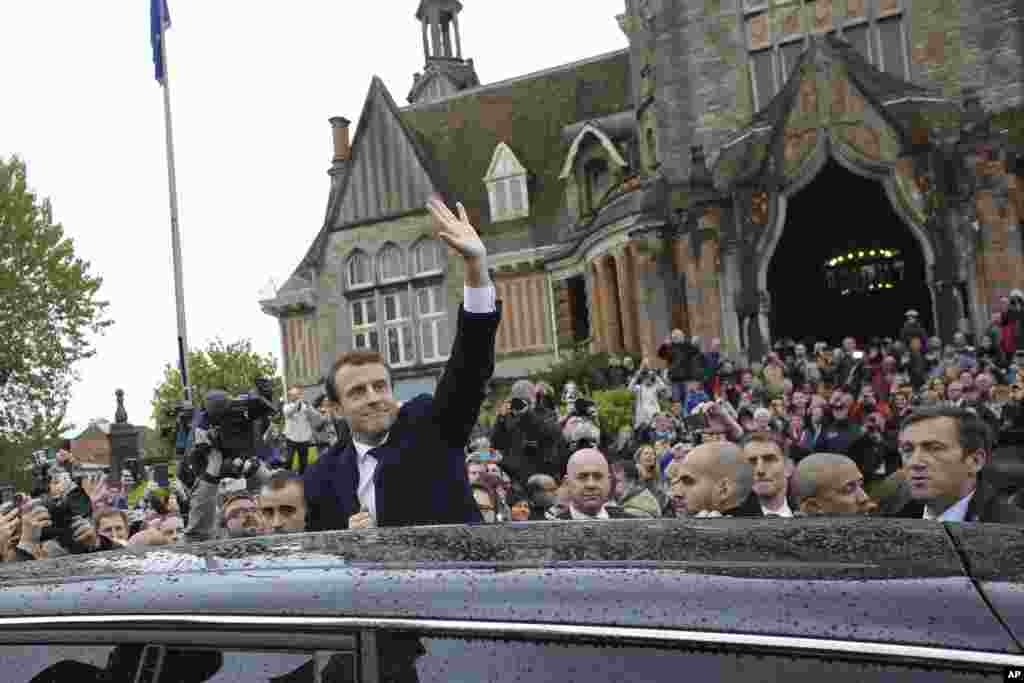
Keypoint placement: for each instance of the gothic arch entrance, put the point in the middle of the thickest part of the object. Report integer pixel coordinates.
(839, 213)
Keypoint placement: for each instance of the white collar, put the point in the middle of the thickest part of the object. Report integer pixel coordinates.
(576, 514)
(955, 513)
(783, 511)
(363, 450)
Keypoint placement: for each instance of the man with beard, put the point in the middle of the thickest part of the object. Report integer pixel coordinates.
(830, 484)
(405, 464)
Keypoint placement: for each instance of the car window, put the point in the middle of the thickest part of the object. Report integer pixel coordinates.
(459, 660)
(123, 663)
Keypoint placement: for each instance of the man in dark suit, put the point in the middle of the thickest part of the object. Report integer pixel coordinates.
(590, 486)
(405, 465)
(944, 449)
(715, 479)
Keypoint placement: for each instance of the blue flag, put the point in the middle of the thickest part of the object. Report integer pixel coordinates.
(159, 21)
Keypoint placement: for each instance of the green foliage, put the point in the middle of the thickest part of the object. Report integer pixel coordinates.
(614, 409)
(581, 367)
(228, 367)
(48, 314)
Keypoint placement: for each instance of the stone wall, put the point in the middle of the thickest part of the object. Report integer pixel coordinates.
(1000, 260)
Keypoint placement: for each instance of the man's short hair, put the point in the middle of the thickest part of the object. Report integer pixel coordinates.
(973, 433)
(805, 483)
(357, 359)
(231, 496)
(281, 479)
(773, 438)
(731, 456)
(535, 484)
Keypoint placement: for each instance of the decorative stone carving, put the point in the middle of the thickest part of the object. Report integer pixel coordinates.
(809, 97)
(120, 415)
(866, 140)
(800, 143)
(790, 21)
(887, 7)
(760, 207)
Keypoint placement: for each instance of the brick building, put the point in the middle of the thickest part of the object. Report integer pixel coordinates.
(745, 169)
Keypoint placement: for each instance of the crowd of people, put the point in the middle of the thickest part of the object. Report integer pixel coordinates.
(903, 427)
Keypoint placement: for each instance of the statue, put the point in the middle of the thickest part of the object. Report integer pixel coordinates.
(120, 416)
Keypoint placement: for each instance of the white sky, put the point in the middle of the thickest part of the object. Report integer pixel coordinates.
(252, 87)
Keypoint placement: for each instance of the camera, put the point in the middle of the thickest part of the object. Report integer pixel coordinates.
(518, 406)
(233, 425)
(72, 503)
(584, 407)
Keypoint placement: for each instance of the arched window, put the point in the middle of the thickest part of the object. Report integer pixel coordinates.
(427, 257)
(392, 263)
(360, 272)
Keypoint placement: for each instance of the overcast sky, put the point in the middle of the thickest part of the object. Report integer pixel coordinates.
(252, 86)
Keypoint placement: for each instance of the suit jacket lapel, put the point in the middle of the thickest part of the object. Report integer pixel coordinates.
(348, 480)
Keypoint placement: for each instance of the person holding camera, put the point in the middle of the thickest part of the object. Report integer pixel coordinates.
(529, 443)
(647, 387)
(299, 420)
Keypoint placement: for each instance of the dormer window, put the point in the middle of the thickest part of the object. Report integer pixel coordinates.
(392, 264)
(360, 270)
(506, 186)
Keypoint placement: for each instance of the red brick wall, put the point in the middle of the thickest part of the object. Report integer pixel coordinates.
(1000, 269)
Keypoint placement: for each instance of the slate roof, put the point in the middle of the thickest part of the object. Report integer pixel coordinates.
(459, 134)
(898, 101)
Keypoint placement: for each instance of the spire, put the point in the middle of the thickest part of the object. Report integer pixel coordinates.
(445, 72)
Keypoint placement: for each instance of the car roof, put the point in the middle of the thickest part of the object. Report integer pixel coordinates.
(858, 579)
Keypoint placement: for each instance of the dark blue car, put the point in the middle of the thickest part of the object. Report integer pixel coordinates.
(642, 601)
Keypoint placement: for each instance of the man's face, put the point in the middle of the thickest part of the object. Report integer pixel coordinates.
(520, 511)
(243, 517)
(959, 340)
(284, 509)
(938, 467)
(677, 337)
(849, 345)
(762, 421)
(677, 409)
(984, 384)
(778, 407)
(800, 351)
(840, 407)
(956, 391)
(589, 485)
(366, 400)
(694, 482)
(840, 491)
(493, 468)
(294, 394)
(967, 380)
(113, 526)
(474, 470)
(172, 505)
(771, 470)
(647, 461)
(900, 403)
(171, 528)
(548, 493)
(800, 401)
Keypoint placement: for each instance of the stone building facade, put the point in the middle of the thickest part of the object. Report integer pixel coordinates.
(648, 188)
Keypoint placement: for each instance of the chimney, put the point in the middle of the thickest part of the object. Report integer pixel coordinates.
(342, 149)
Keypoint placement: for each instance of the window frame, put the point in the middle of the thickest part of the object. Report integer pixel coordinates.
(386, 250)
(366, 329)
(358, 286)
(437, 246)
(437, 317)
(778, 40)
(407, 326)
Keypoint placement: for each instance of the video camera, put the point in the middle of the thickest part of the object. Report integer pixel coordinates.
(584, 407)
(233, 425)
(72, 503)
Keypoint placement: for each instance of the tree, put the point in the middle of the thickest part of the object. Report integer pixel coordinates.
(48, 313)
(228, 367)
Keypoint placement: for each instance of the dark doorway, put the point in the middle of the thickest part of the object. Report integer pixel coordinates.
(817, 298)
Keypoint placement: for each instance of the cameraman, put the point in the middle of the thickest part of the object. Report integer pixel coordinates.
(528, 439)
(1013, 318)
(300, 418)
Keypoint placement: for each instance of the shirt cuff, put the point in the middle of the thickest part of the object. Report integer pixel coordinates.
(479, 299)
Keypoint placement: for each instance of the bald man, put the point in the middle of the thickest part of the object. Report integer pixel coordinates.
(589, 482)
(830, 484)
(715, 478)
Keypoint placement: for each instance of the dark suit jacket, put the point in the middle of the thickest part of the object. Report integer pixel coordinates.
(985, 506)
(421, 473)
(613, 513)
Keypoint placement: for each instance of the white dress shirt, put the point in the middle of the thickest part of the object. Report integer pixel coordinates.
(576, 514)
(783, 511)
(954, 513)
(475, 300)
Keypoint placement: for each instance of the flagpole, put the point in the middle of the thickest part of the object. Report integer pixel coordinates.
(179, 287)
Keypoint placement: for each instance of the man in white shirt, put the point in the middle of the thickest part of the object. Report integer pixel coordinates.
(772, 470)
(299, 418)
(944, 449)
(406, 463)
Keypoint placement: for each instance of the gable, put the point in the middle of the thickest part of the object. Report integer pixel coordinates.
(504, 164)
(604, 141)
(387, 175)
